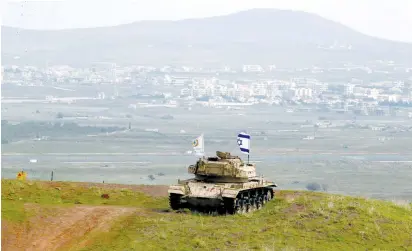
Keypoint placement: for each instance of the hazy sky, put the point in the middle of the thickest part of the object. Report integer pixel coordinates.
(382, 18)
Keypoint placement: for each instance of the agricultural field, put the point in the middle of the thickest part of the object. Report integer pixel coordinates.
(124, 140)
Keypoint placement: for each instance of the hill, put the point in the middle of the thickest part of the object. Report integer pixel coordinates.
(265, 36)
(72, 216)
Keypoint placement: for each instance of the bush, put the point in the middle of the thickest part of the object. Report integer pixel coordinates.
(59, 115)
(313, 186)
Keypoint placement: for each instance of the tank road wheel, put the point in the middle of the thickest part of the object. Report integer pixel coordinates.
(264, 199)
(269, 195)
(238, 209)
(259, 202)
(244, 208)
(234, 206)
(252, 204)
(237, 206)
(174, 201)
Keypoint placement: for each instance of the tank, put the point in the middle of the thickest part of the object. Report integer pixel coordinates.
(223, 183)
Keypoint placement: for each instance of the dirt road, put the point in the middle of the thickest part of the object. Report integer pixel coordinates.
(61, 227)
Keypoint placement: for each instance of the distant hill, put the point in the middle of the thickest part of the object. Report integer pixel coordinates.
(287, 38)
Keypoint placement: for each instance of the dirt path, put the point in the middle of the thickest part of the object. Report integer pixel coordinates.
(59, 227)
(65, 226)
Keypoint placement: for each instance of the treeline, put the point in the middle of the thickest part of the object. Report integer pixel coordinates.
(32, 129)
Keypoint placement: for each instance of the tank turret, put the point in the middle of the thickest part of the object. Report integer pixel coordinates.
(223, 168)
(223, 182)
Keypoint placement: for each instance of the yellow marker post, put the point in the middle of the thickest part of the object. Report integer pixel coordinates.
(22, 175)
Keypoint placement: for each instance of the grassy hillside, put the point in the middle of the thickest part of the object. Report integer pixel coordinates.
(73, 216)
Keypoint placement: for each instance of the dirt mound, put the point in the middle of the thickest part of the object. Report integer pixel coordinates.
(61, 228)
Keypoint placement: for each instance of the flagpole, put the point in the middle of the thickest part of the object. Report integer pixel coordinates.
(203, 144)
(248, 154)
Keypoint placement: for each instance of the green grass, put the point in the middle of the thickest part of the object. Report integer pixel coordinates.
(52, 193)
(312, 221)
(293, 221)
(13, 211)
(15, 193)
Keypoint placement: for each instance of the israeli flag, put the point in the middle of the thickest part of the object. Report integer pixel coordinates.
(243, 141)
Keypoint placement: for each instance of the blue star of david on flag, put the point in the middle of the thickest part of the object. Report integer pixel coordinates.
(243, 141)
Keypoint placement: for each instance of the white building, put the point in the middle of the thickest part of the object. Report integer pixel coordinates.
(252, 68)
(303, 93)
(349, 89)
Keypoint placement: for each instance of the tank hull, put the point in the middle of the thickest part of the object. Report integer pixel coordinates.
(231, 198)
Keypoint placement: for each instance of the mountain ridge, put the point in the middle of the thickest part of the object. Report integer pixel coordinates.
(203, 18)
(253, 35)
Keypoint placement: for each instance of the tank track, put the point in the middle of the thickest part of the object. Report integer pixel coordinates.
(246, 201)
(174, 201)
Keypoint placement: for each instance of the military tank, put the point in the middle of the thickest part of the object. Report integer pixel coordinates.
(224, 184)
